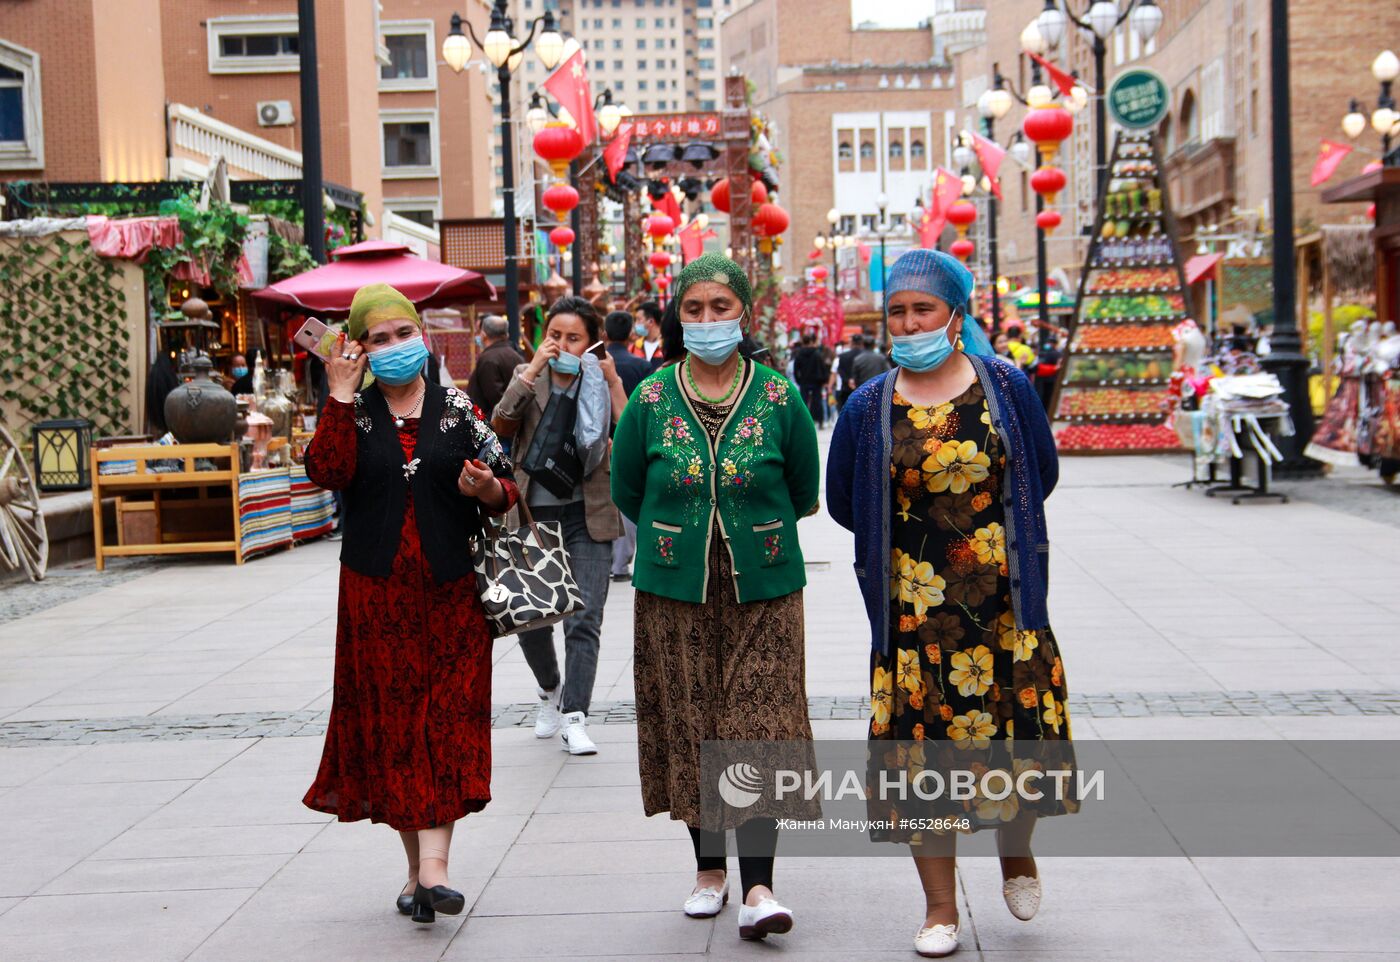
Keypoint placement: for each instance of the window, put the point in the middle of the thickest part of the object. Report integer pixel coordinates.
(706, 23)
(620, 86)
(597, 23)
(707, 43)
(844, 152)
(641, 65)
(867, 150)
(660, 43)
(21, 111)
(641, 43)
(641, 23)
(600, 65)
(1188, 125)
(869, 223)
(896, 150)
(253, 44)
(617, 43)
(410, 44)
(410, 143)
(617, 23)
(423, 211)
(707, 63)
(707, 105)
(659, 23)
(644, 104)
(916, 150)
(617, 64)
(707, 84)
(641, 85)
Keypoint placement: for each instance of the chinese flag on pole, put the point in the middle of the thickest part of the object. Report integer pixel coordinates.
(569, 85)
(947, 188)
(616, 153)
(1329, 157)
(1062, 80)
(990, 156)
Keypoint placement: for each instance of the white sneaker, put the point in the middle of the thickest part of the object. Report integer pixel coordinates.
(575, 735)
(707, 903)
(547, 719)
(765, 918)
(1022, 895)
(937, 941)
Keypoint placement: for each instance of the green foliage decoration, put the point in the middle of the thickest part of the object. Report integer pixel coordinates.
(62, 320)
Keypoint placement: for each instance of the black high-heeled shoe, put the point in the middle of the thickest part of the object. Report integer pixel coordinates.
(404, 903)
(429, 901)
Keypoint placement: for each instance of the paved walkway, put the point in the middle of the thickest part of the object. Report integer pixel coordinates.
(156, 737)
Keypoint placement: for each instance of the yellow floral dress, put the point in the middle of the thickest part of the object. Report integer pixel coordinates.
(959, 671)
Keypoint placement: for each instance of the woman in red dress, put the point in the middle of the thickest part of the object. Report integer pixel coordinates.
(409, 740)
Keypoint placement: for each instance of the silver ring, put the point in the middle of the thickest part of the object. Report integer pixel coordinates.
(355, 356)
(471, 481)
(345, 356)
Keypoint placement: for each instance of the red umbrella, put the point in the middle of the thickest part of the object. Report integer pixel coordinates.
(329, 288)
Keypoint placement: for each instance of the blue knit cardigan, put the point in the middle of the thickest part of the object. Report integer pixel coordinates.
(858, 488)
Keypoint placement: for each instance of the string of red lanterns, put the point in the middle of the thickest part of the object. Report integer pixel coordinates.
(558, 144)
(962, 214)
(1048, 126)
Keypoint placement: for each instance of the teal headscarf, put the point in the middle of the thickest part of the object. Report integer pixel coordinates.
(946, 278)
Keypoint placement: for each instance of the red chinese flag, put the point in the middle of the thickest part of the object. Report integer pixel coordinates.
(668, 206)
(989, 155)
(1329, 157)
(569, 85)
(1062, 80)
(947, 188)
(616, 153)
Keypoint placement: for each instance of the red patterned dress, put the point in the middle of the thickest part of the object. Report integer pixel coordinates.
(409, 739)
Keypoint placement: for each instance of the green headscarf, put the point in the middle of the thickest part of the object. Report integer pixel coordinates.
(378, 302)
(720, 269)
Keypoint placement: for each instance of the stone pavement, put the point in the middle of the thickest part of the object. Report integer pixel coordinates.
(157, 732)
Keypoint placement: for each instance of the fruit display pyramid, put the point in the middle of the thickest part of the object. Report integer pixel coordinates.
(1113, 385)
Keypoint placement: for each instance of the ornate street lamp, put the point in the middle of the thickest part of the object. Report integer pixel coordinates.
(506, 54)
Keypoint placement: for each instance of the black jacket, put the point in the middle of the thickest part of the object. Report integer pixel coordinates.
(451, 431)
(631, 369)
(492, 373)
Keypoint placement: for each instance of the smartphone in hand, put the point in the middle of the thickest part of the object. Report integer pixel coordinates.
(317, 338)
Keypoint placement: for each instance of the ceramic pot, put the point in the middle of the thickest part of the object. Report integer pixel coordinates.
(201, 411)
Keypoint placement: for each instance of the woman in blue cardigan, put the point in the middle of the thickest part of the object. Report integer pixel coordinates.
(941, 468)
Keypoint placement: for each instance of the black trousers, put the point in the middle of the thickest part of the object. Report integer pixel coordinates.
(812, 397)
(757, 841)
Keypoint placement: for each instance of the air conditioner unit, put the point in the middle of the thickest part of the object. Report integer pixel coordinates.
(275, 113)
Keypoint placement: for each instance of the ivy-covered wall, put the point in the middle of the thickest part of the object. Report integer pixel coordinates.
(72, 341)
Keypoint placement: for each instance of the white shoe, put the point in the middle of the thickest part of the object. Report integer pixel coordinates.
(765, 918)
(936, 941)
(1022, 895)
(575, 735)
(707, 903)
(547, 719)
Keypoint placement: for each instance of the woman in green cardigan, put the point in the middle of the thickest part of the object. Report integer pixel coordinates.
(715, 459)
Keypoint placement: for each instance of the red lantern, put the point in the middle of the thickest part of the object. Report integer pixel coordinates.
(659, 225)
(659, 260)
(1048, 220)
(720, 195)
(961, 215)
(819, 273)
(1046, 127)
(961, 249)
(561, 237)
(1371, 213)
(1048, 182)
(557, 144)
(770, 220)
(664, 281)
(561, 198)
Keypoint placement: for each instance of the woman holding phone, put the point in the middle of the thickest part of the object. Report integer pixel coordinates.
(409, 738)
(571, 349)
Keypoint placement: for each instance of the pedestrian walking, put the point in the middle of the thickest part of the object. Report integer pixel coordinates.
(811, 372)
(715, 460)
(941, 469)
(649, 313)
(495, 365)
(618, 328)
(869, 363)
(586, 514)
(409, 737)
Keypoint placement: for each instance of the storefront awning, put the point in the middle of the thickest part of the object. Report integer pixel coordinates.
(332, 286)
(1202, 267)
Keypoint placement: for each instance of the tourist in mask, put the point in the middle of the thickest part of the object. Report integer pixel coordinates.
(715, 459)
(409, 737)
(941, 468)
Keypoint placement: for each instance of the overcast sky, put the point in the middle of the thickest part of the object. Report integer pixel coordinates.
(892, 13)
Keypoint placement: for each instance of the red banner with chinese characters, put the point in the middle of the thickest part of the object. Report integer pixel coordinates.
(655, 127)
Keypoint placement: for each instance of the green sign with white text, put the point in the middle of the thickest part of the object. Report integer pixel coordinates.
(1138, 98)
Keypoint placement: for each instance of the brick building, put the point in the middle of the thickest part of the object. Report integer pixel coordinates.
(150, 89)
(859, 113)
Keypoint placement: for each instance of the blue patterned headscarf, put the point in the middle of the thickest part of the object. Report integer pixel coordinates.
(945, 277)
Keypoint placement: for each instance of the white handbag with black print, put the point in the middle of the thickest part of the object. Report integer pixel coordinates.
(523, 575)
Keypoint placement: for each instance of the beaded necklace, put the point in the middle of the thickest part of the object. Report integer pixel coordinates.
(690, 376)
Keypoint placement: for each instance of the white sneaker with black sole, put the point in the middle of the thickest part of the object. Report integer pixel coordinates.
(575, 735)
(548, 719)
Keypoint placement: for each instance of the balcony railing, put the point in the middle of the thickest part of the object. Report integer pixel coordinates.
(200, 137)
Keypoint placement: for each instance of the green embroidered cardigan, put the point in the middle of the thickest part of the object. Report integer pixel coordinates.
(761, 475)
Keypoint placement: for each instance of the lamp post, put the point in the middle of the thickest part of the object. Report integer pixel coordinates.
(993, 105)
(1100, 20)
(1384, 120)
(834, 239)
(1033, 40)
(505, 54)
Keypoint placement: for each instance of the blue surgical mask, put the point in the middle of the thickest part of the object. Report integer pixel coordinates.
(566, 363)
(240, 372)
(399, 364)
(640, 330)
(713, 341)
(923, 351)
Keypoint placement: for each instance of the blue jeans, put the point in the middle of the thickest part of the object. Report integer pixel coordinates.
(591, 564)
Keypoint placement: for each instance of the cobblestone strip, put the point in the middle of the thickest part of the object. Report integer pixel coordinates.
(23, 734)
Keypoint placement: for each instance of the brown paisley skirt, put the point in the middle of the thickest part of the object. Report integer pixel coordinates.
(720, 670)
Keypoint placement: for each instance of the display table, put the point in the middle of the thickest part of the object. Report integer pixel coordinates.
(217, 509)
(1221, 433)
